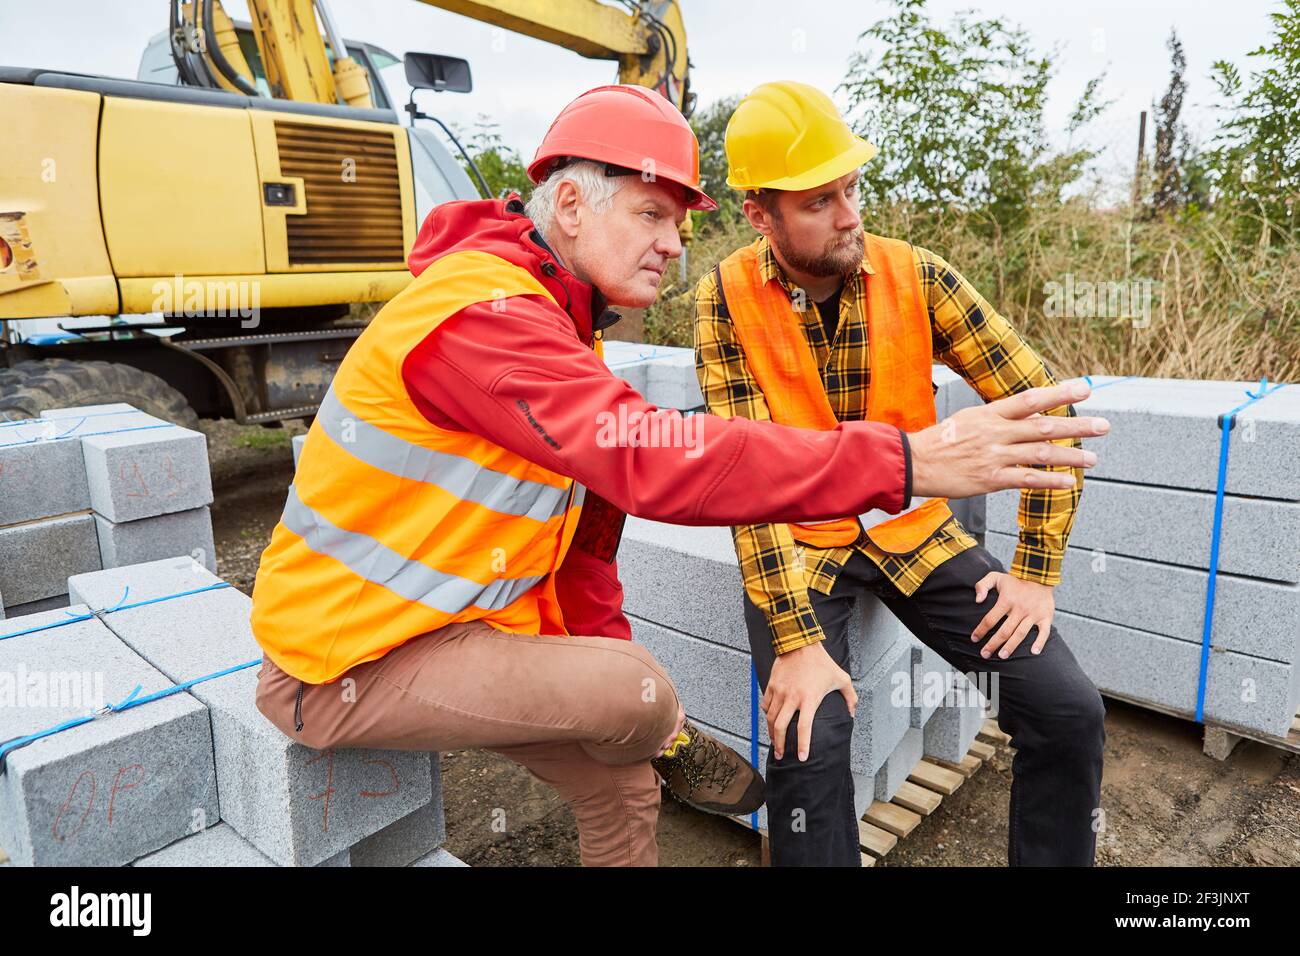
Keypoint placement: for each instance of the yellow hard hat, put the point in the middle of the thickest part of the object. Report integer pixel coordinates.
(788, 135)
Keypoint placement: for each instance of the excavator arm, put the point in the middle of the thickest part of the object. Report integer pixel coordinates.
(648, 39)
(645, 37)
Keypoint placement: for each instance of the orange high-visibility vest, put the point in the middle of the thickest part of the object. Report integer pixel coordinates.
(899, 352)
(395, 527)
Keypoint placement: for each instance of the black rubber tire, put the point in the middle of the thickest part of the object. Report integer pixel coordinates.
(34, 386)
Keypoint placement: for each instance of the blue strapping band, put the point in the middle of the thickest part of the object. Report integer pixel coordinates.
(129, 702)
(68, 433)
(1226, 423)
(119, 606)
(1088, 379)
(28, 421)
(641, 357)
(753, 730)
(166, 597)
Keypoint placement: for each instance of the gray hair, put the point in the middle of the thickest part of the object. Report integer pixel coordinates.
(596, 188)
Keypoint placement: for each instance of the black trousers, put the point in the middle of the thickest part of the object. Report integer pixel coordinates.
(1051, 709)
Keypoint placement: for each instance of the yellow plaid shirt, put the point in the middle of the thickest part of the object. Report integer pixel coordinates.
(970, 338)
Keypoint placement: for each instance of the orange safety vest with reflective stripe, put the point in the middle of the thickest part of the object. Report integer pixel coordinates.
(899, 352)
(395, 527)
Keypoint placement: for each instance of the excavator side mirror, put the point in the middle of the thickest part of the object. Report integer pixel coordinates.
(433, 71)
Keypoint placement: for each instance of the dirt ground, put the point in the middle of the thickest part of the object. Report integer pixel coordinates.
(1166, 803)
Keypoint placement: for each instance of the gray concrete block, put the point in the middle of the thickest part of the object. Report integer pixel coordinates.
(215, 846)
(929, 676)
(143, 473)
(90, 411)
(130, 420)
(899, 765)
(712, 681)
(884, 714)
(36, 607)
(1165, 432)
(152, 539)
(109, 791)
(416, 835)
(671, 380)
(37, 557)
(664, 375)
(439, 857)
(40, 479)
(627, 360)
(296, 805)
(220, 846)
(1253, 617)
(873, 630)
(657, 561)
(1174, 526)
(951, 730)
(297, 442)
(129, 584)
(1245, 691)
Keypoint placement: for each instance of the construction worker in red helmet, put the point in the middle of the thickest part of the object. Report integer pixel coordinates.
(818, 323)
(448, 544)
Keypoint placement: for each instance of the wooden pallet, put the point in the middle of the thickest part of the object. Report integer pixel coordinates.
(992, 735)
(1220, 739)
(884, 824)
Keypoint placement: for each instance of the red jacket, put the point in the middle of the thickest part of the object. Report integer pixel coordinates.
(522, 373)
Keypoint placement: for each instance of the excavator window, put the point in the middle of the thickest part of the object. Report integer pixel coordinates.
(156, 64)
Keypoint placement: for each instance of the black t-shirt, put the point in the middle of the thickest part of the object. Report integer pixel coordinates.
(829, 310)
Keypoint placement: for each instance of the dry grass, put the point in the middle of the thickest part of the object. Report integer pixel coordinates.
(1220, 309)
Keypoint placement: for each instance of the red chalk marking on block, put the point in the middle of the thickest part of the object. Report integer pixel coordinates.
(177, 485)
(329, 786)
(67, 804)
(139, 480)
(384, 793)
(113, 794)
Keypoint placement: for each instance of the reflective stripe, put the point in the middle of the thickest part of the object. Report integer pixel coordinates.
(462, 477)
(412, 580)
(579, 495)
(875, 516)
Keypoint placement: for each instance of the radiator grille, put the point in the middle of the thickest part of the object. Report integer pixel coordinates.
(354, 202)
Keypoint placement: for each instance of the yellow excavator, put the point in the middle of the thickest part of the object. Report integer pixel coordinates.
(223, 211)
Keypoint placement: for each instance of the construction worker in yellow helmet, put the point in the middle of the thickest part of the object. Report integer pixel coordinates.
(819, 322)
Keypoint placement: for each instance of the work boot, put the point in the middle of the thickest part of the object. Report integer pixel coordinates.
(707, 775)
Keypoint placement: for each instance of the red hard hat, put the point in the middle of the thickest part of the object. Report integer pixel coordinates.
(629, 126)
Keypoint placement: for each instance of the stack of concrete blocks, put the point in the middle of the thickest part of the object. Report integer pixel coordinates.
(97, 486)
(1131, 603)
(683, 596)
(663, 374)
(667, 377)
(199, 778)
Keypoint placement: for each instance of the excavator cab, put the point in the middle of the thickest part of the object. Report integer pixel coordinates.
(157, 65)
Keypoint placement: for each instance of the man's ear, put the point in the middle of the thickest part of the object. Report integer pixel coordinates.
(758, 217)
(568, 208)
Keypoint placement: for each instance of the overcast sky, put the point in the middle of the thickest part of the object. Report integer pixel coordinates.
(522, 83)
